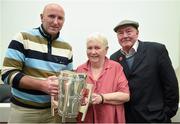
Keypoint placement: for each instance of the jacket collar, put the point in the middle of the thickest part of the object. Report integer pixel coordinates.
(46, 35)
(140, 54)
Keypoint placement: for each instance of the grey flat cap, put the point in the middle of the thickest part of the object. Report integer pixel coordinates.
(126, 22)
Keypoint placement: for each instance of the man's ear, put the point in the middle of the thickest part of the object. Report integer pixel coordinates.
(107, 48)
(41, 16)
(137, 32)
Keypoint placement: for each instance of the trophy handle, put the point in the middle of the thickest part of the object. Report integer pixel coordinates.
(54, 105)
(54, 100)
(83, 109)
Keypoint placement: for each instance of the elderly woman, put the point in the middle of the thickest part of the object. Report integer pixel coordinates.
(110, 86)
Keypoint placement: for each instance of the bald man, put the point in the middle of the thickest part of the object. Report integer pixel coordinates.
(33, 59)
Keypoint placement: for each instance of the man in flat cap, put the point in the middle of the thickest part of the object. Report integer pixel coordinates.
(154, 94)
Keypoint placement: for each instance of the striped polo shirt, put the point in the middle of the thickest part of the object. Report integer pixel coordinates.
(36, 54)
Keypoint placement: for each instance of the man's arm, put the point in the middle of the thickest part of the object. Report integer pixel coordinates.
(169, 83)
(49, 85)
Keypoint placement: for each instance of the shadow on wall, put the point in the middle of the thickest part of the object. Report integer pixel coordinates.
(178, 76)
(178, 73)
(176, 118)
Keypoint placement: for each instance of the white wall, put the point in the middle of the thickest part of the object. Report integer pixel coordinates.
(159, 21)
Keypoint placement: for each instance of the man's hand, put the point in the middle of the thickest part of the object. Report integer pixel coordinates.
(51, 86)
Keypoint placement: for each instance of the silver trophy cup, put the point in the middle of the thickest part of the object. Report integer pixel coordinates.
(71, 86)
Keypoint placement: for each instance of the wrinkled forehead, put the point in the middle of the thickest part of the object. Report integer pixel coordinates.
(53, 9)
(126, 27)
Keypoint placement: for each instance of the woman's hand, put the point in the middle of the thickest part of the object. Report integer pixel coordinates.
(97, 98)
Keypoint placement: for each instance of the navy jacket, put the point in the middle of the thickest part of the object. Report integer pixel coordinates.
(154, 93)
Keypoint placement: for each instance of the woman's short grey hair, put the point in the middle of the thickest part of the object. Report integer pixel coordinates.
(98, 37)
